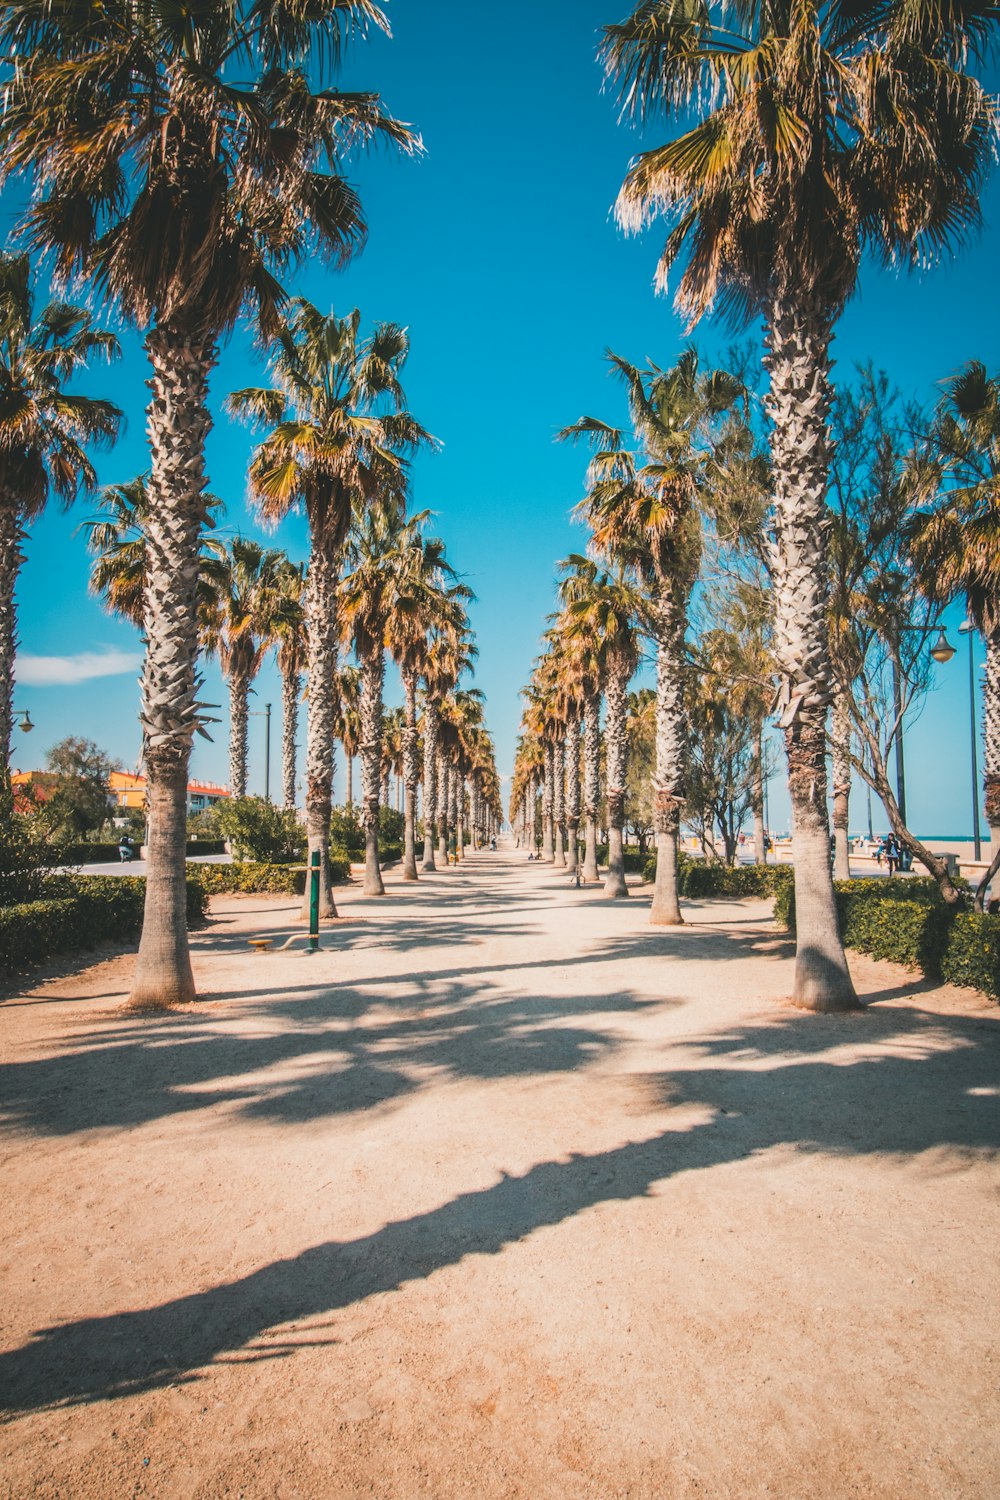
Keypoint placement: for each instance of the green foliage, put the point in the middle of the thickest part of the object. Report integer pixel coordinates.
(389, 852)
(390, 826)
(346, 831)
(696, 878)
(908, 922)
(23, 858)
(635, 859)
(76, 912)
(267, 879)
(76, 801)
(94, 852)
(260, 831)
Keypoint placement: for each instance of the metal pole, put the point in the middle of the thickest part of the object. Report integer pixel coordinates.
(313, 902)
(897, 708)
(267, 752)
(977, 841)
(871, 836)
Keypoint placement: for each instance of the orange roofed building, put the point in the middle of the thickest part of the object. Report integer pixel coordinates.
(128, 790)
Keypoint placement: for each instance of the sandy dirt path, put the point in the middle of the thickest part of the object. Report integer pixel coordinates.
(502, 1194)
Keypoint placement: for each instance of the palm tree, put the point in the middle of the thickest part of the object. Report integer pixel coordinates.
(289, 629)
(44, 432)
(117, 537)
(340, 444)
(451, 652)
(643, 511)
(348, 722)
(177, 161)
(602, 605)
(240, 629)
(955, 539)
(424, 600)
(379, 549)
(824, 131)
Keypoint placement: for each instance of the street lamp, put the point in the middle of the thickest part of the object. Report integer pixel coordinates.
(942, 651)
(25, 725)
(967, 628)
(266, 716)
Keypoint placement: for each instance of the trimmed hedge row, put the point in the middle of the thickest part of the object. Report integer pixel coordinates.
(635, 860)
(79, 912)
(696, 878)
(249, 878)
(906, 921)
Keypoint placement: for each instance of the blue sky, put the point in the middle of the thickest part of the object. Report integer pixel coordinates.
(497, 250)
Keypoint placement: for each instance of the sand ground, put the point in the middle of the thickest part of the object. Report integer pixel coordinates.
(502, 1194)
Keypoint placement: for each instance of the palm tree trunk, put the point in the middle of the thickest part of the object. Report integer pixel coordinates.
(442, 807)
(759, 831)
(430, 780)
(991, 737)
(178, 423)
(671, 753)
(239, 690)
(321, 714)
(841, 748)
(591, 781)
(572, 789)
(616, 744)
(798, 338)
(411, 777)
(11, 558)
(372, 676)
(350, 782)
(453, 784)
(559, 802)
(289, 733)
(460, 818)
(548, 796)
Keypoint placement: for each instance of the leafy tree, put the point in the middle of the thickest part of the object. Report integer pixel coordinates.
(258, 830)
(77, 801)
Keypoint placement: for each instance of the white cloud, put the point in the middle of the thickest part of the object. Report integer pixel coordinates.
(54, 671)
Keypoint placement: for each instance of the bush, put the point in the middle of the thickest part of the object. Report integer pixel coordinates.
(696, 878)
(104, 852)
(907, 921)
(345, 830)
(389, 852)
(259, 831)
(261, 879)
(635, 860)
(78, 912)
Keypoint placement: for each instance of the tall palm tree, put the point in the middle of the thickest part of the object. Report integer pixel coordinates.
(642, 507)
(181, 160)
(450, 654)
(44, 432)
(602, 605)
(823, 130)
(424, 599)
(955, 536)
(240, 630)
(379, 551)
(340, 443)
(289, 630)
(117, 538)
(347, 722)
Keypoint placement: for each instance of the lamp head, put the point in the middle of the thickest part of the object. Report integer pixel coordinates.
(26, 724)
(942, 649)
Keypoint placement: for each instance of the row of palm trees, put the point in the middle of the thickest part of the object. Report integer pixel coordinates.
(178, 164)
(807, 135)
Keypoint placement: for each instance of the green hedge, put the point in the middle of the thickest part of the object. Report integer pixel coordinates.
(906, 921)
(696, 878)
(79, 912)
(249, 878)
(635, 860)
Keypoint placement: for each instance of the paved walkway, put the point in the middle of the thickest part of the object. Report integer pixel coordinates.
(503, 1193)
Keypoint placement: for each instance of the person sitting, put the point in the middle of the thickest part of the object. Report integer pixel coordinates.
(125, 851)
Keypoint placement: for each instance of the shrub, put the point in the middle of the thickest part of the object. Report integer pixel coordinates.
(263, 879)
(697, 878)
(259, 831)
(345, 830)
(78, 912)
(635, 860)
(907, 921)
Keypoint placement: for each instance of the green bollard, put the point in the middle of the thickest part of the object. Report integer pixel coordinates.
(314, 902)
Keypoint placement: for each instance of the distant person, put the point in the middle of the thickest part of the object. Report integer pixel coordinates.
(126, 853)
(892, 853)
(493, 844)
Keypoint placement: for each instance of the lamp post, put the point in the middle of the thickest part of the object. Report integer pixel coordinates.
(22, 718)
(266, 716)
(942, 651)
(967, 628)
